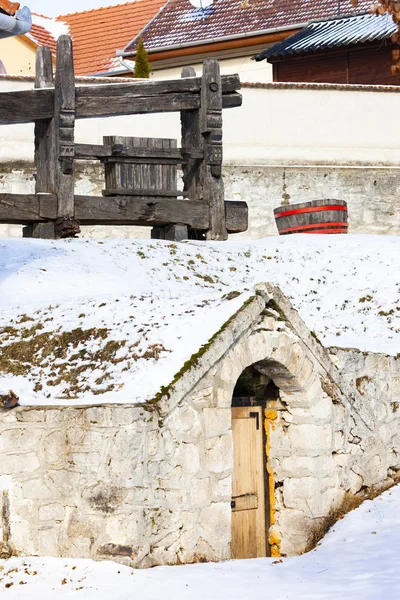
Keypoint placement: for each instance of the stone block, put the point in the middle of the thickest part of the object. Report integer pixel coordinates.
(222, 490)
(219, 454)
(66, 483)
(305, 466)
(223, 397)
(312, 496)
(20, 438)
(153, 443)
(215, 524)
(54, 448)
(51, 512)
(217, 421)
(188, 458)
(24, 537)
(14, 464)
(320, 413)
(202, 398)
(309, 438)
(295, 531)
(200, 491)
(305, 373)
(48, 539)
(36, 489)
(295, 359)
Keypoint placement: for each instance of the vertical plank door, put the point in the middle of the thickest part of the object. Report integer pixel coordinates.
(249, 535)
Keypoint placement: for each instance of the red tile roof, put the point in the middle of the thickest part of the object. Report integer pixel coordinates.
(179, 23)
(97, 34)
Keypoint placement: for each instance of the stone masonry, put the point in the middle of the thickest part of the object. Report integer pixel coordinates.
(371, 194)
(151, 484)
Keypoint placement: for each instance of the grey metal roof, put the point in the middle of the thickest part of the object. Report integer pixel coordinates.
(330, 33)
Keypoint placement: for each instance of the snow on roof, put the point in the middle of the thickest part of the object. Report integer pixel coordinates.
(46, 31)
(86, 321)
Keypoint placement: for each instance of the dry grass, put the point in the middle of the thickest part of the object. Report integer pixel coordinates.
(349, 503)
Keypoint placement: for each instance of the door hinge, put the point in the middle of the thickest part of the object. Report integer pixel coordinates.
(233, 504)
(256, 416)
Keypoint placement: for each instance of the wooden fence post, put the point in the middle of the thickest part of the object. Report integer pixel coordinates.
(64, 148)
(190, 132)
(44, 140)
(211, 130)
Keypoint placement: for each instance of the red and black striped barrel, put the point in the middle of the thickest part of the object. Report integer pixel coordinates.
(318, 216)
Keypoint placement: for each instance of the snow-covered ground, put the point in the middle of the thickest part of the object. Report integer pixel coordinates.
(85, 321)
(357, 560)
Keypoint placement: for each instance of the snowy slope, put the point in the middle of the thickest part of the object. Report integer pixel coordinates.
(357, 560)
(85, 321)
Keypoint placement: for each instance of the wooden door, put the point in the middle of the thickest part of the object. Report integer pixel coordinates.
(249, 526)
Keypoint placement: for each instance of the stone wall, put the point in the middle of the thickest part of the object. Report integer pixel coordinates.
(151, 484)
(371, 194)
(115, 482)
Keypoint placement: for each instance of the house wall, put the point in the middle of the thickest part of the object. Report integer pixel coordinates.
(18, 56)
(148, 485)
(286, 144)
(244, 66)
(362, 64)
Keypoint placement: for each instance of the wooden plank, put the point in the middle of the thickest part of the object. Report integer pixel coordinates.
(45, 159)
(94, 151)
(24, 209)
(125, 210)
(27, 208)
(249, 536)
(162, 192)
(64, 111)
(191, 138)
(26, 106)
(211, 130)
(154, 88)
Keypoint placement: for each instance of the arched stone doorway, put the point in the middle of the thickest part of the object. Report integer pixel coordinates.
(293, 442)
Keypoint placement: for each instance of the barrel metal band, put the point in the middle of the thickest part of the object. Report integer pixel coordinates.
(314, 226)
(299, 211)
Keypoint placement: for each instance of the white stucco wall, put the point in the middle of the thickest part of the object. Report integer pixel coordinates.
(244, 66)
(278, 124)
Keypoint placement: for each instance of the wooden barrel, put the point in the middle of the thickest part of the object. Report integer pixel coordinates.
(318, 216)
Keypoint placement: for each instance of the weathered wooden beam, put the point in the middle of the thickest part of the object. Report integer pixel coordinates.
(211, 131)
(125, 210)
(64, 115)
(140, 155)
(26, 106)
(191, 138)
(45, 158)
(25, 209)
(154, 88)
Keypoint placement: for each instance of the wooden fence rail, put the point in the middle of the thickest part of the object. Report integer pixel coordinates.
(140, 173)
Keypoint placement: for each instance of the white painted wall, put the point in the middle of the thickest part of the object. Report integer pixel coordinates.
(244, 66)
(277, 125)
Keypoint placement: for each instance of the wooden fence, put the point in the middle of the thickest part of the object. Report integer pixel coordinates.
(140, 173)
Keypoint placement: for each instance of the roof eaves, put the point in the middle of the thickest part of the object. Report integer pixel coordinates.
(224, 38)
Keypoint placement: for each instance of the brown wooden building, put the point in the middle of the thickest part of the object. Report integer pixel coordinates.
(355, 50)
